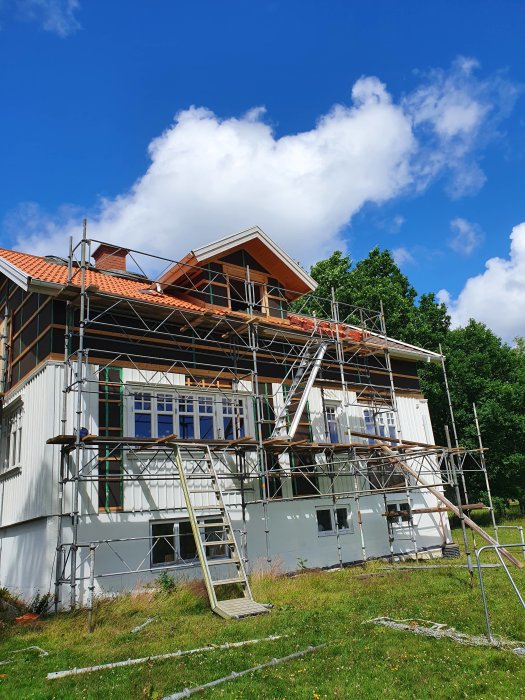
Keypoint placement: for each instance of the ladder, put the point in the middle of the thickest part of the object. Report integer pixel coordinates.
(203, 494)
(308, 365)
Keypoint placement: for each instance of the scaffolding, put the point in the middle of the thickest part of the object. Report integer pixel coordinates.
(108, 335)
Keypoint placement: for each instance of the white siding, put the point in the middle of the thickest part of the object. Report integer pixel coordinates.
(32, 493)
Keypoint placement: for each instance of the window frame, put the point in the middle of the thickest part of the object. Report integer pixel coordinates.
(12, 437)
(385, 421)
(335, 529)
(400, 520)
(176, 523)
(336, 408)
(225, 406)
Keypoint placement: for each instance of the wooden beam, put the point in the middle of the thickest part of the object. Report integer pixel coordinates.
(473, 526)
(396, 441)
(239, 441)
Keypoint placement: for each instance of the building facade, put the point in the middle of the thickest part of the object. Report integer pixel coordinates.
(112, 379)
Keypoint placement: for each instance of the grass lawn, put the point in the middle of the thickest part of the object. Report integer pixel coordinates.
(360, 660)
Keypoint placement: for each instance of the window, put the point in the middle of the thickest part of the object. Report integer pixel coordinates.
(399, 508)
(173, 541)
(142, 404)
(333, 520)
(332, 424)
(379, 423)
(233, 419)
(12, 438)
(188, 416)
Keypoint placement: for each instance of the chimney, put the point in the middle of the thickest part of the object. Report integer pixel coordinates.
(110, 257)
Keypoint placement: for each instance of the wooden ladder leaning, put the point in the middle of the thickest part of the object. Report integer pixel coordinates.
(203, 493)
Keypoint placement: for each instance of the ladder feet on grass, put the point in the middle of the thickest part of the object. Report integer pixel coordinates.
(195, 463)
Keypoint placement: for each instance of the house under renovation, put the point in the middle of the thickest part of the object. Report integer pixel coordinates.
(209, 421)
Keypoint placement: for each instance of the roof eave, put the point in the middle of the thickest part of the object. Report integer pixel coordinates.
(15, 274)
(421, 356)
(217, 247)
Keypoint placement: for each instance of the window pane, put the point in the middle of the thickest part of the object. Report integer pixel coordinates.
(187, 547)
(142, 425)
(164, 425)
(186, 404)
(324, 521)
(186, 427)
(205, 404)
(206, 427)
(342, 518)
(143, 402)
(165, 403)
(13, 449)
(163, 543)
(228, 428)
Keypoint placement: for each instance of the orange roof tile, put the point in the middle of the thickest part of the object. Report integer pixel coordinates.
(44, 270)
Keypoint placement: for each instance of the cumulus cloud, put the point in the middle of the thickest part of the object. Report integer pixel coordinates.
(466, 236)
(209, 177)
(56, 16)
(496, 296)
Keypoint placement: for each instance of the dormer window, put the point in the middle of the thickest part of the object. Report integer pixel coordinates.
(237, 288)
(245, 272)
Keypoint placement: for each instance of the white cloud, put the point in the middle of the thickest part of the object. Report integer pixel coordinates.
(56, 16)
(402, 256)
(209, 177)
(466, 236)
(458, 111)
(497, 296)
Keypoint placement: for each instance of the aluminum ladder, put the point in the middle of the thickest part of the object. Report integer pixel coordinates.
(308, 365)
(200, 482)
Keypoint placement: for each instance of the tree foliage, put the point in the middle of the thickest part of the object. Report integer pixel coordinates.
(480, 368)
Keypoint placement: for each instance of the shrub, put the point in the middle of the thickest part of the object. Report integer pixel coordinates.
(166, 582)
(40, 604)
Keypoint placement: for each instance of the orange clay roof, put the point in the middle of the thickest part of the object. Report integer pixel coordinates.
(38, 268)
(46, 271)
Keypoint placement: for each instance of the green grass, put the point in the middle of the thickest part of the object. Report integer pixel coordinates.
(361, 660)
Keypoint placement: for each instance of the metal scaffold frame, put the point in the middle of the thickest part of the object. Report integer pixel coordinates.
(360, 465)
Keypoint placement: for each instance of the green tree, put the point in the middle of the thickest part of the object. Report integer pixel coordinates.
(373, 281)
(481, 369)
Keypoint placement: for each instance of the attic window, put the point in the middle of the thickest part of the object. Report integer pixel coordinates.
(224, 284)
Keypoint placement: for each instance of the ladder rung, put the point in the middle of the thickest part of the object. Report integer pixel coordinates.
(222, 562)
(208, 508)
(226, 581)
(213, 525)
(204, 491)
(209, 543)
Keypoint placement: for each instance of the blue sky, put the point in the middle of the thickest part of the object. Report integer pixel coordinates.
(329, 124)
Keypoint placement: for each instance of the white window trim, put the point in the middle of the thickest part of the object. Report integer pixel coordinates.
(338, 410)
(218, 404)
(12, 437)
(333, 517)
(384, 420)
